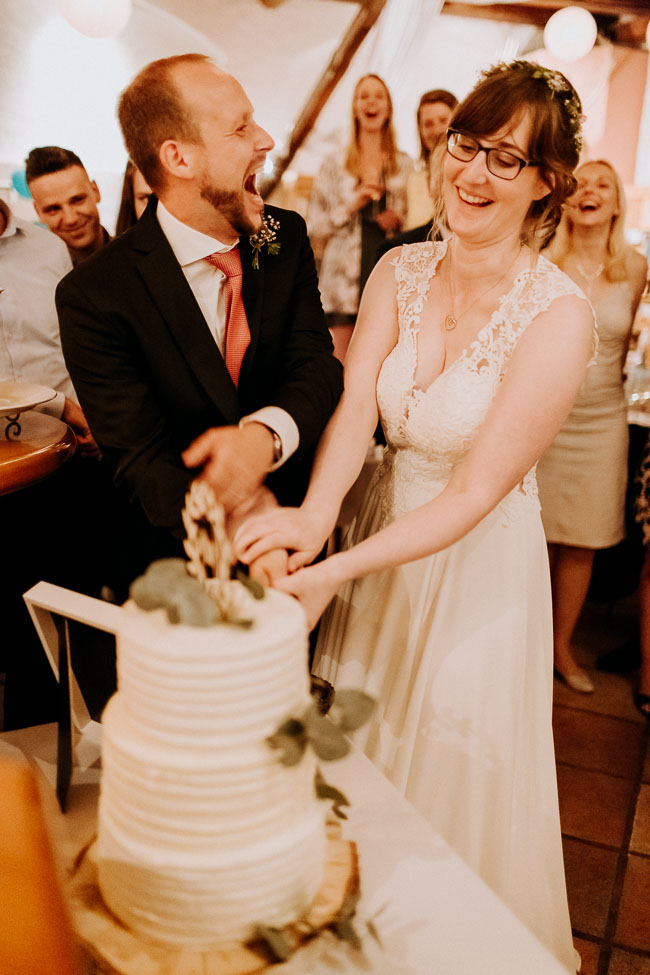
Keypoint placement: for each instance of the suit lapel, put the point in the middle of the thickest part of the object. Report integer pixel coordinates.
(170, 292)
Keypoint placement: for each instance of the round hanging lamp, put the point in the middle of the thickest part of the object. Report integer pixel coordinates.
(96, 18)
(570, 33)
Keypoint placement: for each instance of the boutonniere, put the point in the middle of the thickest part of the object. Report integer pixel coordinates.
(266, 236)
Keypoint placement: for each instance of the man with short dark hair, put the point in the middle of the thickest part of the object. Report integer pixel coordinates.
(65, 199)
(198, 337)
(70, 517)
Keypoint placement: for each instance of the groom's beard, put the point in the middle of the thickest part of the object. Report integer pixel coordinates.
(230, 205)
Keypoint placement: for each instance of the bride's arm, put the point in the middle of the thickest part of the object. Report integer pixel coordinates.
(344, 443)
(531, 404)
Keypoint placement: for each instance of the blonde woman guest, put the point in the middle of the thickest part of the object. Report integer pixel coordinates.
(473, 350)
(583, 475)
(359, 199)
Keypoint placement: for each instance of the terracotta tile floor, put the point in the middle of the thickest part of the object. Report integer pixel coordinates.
(602, 747)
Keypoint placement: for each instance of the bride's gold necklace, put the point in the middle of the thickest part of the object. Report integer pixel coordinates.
(451, 320)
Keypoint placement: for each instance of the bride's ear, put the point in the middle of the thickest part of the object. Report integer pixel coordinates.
(542, 186)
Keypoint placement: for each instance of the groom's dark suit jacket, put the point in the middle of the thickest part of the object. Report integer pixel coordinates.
(150, 377)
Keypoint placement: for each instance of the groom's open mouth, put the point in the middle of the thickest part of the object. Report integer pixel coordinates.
(250, 187)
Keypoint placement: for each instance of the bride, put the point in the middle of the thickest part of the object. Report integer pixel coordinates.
(473, 350)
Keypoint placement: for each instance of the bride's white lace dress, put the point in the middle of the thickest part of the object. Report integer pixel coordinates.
(457, 647)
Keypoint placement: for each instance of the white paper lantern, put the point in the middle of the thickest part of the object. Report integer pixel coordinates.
(570, 33)
(96, 18)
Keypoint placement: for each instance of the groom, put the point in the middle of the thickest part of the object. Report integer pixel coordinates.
(197, 339)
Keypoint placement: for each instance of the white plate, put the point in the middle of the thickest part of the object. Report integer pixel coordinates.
(17, 396)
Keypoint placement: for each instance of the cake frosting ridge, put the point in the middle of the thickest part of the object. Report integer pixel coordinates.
(203, 833)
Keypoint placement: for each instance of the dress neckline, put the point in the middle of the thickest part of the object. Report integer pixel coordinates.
(414, 327)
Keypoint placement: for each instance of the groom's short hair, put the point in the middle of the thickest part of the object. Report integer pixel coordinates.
(151, 110)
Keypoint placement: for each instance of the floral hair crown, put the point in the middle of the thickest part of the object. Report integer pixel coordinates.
(559, 86)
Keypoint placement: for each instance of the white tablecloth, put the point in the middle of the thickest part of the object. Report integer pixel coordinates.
(433, 915)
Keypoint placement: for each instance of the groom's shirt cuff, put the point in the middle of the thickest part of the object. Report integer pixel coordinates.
(281, 423)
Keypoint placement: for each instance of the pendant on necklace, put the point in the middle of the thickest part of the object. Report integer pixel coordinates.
(450, 323)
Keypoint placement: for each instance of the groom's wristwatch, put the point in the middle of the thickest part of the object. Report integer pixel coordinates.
(277, 445)
(277, 439)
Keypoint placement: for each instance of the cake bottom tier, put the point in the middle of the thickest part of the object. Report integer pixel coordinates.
(113, 948)
(271, 883)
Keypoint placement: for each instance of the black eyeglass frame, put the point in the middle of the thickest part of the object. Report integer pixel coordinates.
(479, 148)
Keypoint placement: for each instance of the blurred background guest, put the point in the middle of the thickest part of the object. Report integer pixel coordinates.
(33, 262)
(359, 199)
(135, 196)
(642, 513)
(582, 477)
(69, 519)
(65, 199)
(434, 114)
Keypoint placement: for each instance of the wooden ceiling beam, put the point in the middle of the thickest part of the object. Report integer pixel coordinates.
(356, 33)
(624, 22)
(516, 13)
(613, 8)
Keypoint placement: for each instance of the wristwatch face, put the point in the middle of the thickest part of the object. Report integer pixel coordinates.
(277, 446)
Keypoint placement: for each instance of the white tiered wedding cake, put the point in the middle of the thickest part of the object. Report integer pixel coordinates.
(203, 833)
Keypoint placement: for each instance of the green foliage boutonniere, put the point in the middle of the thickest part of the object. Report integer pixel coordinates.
(266, 236)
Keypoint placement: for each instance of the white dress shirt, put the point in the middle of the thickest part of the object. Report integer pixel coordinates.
(32, 262)
(190, 248)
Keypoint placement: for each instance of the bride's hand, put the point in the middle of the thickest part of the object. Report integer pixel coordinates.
(289, 528)
(313, 587)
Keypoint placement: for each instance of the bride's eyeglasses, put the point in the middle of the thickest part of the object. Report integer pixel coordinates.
(500, 162)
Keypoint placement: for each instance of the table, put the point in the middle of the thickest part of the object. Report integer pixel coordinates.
(43, 445)
(433, 915)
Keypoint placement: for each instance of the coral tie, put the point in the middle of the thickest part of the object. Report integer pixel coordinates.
(237, 333)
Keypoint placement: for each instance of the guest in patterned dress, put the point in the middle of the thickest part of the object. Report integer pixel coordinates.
(359, 199)
(582, 477)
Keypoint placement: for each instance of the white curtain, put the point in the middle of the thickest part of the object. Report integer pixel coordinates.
(395, 41)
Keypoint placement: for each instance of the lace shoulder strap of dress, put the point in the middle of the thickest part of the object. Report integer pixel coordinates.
(535, 290)
(418, 259)
(415, 265)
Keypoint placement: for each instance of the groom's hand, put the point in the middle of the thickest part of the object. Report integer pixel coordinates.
(234, 461)
(270, 566)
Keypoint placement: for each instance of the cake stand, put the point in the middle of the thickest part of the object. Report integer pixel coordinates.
(113, 949)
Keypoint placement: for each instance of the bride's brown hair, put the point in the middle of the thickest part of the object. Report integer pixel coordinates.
(505, 95)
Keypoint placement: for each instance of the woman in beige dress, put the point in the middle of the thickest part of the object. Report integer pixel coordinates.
(583, 476)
